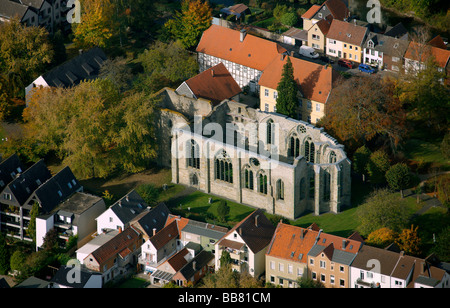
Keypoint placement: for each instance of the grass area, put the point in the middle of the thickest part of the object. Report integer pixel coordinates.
(264, 23)
(132, 283)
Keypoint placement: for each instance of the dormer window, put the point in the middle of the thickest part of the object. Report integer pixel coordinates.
(370, 44)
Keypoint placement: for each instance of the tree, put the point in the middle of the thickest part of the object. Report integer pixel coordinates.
(4, 256)
(362, 108)
(225, 277)
(360, 160)
(408, 241)
(398, 177)
(287, 101)
(223, 210)
(188, 24)
(18, 260)
(377, 167)
(51, 241)
(305, 282)
(24, 52)
(149, 193)
(382, 209)
(117, 71)
(381, 237)
(289, 19)
(225, 258)
(442, 246)
(98, 23)
(165, 65)
(31, 231)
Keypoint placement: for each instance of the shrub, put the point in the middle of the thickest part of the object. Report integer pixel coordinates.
(149, 193)
(289, 19)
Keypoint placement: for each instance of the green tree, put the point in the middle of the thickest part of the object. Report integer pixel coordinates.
(165, 65)
(24, 53)
(287, 101)
(442, 246)
(31, 231)
(149, 193)
(398, 177)
(225, 258)
(223, 210)
(382, 209)
(4, 256)
(377, 166)
(289, 19)
(188, 24)
(305, 282)
(18, 260)
(360, 160)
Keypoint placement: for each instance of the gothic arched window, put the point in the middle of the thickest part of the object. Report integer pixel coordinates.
(193, 154)
(224, 168)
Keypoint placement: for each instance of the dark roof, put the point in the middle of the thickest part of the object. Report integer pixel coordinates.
(398, 31)
(4, 284)
(337, 8)
(10, 9)
(33, 283)
(64, 272)
(129, 206)
(56, 189)
(9, 168)
(193, 266)
(83, 67)
(27, 182)
(388, 259)
(387, 44)
(256, 230)
(78, 203)
(152, 219)
(165, 235)
(114, 246)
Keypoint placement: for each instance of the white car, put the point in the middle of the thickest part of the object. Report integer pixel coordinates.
(308, 52)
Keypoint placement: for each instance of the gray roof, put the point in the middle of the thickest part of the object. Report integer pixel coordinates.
(154, 218)
(338, 256)
(387, 44)
(205, 229)
(33, 283)
(10, 9)
(9, 168)
(64, 272)
(428, 281)
(83, 67)
(129, 206)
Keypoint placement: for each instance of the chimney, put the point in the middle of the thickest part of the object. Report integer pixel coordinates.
(80, 51)
(194, 263)
(212, 73)
(256, 220)
(120, 229)
(292, 53)
(154, 231)
(344, 243)
(126, 198)
(243, 34)
(240, 231)
(302, 233)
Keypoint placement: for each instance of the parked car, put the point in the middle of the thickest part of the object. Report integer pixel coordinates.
(308, 52)
(345, 63)
(366, 68)
(326, 59)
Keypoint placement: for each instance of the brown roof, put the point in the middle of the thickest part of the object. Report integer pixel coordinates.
(337, 8)
(388, 259)
(416, 51)
(168, 233)
(347, 32)
(116, 245)
(180, 221)
(214, 84)
(311, 12)
(291, 243)
(315, 80)
(324, 25)
(256, 231)
(438, 42)
(177, 261)
(224, 43)
(238, 8)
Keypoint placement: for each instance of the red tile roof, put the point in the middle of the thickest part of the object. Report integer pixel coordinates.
(214, 84)
(291, 243)
(416, 51)
(311, 12)
(315, 80)
(224, 43)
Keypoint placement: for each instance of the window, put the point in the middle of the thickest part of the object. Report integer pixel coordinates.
(315, 37)
(270, 131)
(266, 107)
(309, 105)
(326, 185)
(332, 159)
(349, 55)
(341, 282)
(331, 279)
(345, 45)
(356, 57)
(322, 277)
(320, 15)
(266, 92)
(290, 269)
(110, 219)
(332, 41)
(262, 187)
(224, 168)
(351, 47)
(281, 267)
(331, 51)
(248, 178)
(356, 47)
(317, 107)
(194, 155)
(59, 193)
(395, 59)
(341, 269)
(280, 190)
(323, 264)
(309, 150)
(272, 265)
(311, 261)
(275, 94)
(295, 146)
(314, 275)
(316, 46)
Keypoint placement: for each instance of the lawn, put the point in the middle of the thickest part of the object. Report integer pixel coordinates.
(132, 283)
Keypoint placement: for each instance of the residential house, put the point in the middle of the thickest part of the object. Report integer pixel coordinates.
(329, 10)
(315, 83)
(204, 234)
(330, 258)
(317, 34)
(239, 10)
(167, 269)
(15, 208)
(117, 257)
(384, 52)
(417, 55)
(122, 212)
(345, 40)
(75, 277)
(73, 217)
(85, 66)
(9, 168)
(372, 268)
(214, 84)
(245, 56)
(195, 269)
(160, 247)
(48, 14)
(96, 242)
(398, 31)
(247, 243)
(151, 220)
(286, 257)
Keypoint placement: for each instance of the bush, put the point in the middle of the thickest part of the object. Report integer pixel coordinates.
(149, 193)
(289, 19)
(377, 166)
